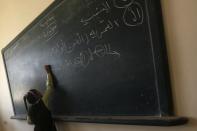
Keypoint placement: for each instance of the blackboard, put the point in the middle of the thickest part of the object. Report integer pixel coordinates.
(108, 57)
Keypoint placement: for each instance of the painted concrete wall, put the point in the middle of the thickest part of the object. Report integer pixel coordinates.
(180, 18)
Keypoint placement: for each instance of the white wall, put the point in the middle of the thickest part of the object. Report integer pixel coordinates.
(181, 33)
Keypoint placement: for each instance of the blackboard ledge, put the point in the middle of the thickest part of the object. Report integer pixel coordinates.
(129, 120)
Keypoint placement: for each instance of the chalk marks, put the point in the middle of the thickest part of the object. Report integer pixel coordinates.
(106, 27)
(67, 47)
(61, 47)
(85, 57)
(89, 43)
(50, 27)
(102, 24)
(109, 26)
(122, 3)
(103, 8)
(133, 15)
(133, 12)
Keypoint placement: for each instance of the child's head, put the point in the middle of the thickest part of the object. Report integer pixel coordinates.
(33, 96)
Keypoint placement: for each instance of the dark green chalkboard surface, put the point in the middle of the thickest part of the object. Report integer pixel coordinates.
(108, 57)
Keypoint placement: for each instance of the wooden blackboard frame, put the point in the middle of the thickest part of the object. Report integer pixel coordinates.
(166, 116)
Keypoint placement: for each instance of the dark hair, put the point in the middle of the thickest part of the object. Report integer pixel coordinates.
(32, 97)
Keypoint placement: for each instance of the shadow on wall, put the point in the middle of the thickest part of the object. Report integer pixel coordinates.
(62, 126)
(192, 122)
(1, 125)
(5, 126)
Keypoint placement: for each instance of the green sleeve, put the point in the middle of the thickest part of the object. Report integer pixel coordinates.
(49, 89)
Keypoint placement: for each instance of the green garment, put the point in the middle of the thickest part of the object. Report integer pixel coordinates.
(48, 92)
(49, 89)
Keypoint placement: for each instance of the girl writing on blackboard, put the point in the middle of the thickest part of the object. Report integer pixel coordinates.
(38, 112)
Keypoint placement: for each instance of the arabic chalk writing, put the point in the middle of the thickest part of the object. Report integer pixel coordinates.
(50, 28)
(85, 57)
(133, 12)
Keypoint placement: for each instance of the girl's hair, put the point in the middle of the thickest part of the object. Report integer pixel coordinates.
(32, 97)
